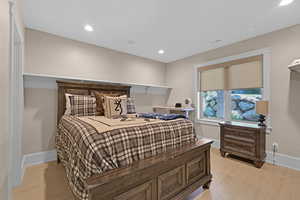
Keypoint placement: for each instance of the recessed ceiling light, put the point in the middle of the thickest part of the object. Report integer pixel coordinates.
(161, 51)
(88, 28)
(285, 2)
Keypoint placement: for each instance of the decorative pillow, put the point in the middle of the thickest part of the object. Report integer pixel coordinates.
(100, 100)
(82, 105)
(115, 106)
(131, 106)
(68, 104)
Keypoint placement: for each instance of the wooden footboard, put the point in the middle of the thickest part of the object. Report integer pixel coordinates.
(172, 175)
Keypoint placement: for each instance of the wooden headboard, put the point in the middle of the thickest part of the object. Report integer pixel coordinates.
(85, 88)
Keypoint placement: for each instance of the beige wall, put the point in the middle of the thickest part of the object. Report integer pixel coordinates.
(285, 86)
(39, 120)
(4, 83)
(49, 54)
(53, 55)
(41, 105)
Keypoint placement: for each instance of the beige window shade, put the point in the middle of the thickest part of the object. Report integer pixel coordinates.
(237, 74)
(212, 79)
(243, 76)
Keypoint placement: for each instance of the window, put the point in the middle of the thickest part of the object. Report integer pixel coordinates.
(243, 104)
(213, 104)
(229, 90)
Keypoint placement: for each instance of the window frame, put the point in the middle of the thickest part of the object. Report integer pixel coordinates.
(227, 99)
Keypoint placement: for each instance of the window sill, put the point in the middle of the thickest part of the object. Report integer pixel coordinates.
(209, 122)
(212, 122)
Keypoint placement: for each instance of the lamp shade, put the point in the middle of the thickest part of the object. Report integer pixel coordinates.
(262, 107)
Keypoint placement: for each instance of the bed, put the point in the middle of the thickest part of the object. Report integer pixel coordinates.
(136, 160)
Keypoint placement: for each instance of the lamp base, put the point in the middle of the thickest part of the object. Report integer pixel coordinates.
(262, 120)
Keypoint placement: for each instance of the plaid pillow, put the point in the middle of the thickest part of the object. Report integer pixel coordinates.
(130, 106)
(83, 105)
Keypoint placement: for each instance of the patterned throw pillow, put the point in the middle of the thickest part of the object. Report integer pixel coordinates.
(100, 100)
(131, 106)
(83, 105)
(115, 106)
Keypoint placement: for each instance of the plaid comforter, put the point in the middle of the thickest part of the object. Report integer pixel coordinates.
(85, 152)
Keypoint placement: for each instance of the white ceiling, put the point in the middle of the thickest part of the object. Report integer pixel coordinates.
(180, 27)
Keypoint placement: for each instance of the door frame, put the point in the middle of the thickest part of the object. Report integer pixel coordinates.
(16, 98)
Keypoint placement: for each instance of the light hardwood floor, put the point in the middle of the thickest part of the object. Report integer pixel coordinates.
(232, 180)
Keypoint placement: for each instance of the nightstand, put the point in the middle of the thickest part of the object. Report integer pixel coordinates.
(244, 140)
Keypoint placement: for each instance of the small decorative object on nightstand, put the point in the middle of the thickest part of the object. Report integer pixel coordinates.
(188, 102)
(244, 140)
(262, 108)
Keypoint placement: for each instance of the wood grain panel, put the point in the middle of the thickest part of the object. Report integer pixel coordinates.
(244, 134)
(170, 183)
(196, 169)
(242, 147)
(118, 181)
(77, 91)
(141, 192)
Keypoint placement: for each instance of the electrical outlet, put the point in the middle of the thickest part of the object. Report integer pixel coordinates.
(275, 147)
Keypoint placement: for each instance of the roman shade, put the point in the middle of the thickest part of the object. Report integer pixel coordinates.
(237, 74)
(246, 75)
(212, 79)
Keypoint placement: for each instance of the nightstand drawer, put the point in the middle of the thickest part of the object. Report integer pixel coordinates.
(240, 133)
(241, 139)
(245, 148)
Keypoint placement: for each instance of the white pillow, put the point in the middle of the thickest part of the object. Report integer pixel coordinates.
(68, 104)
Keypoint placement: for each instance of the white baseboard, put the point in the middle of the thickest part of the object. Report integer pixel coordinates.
(37, 158)
(280, 159)
(284, 160)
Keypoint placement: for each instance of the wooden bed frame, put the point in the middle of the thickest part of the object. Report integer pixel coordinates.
(171, 175)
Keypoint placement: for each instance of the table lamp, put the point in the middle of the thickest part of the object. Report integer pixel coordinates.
(262, 108)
